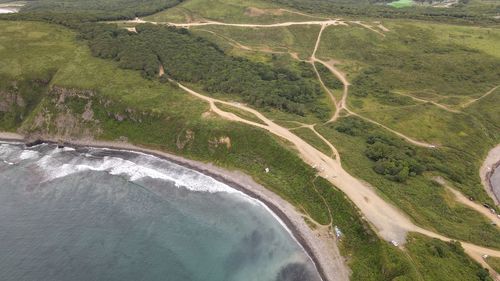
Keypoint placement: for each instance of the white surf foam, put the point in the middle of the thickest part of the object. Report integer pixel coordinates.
(182, 177)
(28, 154)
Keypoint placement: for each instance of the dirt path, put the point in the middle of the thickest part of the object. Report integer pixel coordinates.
(483, 96)
(231, 41)
(367, 26)
(339, 105)
(342, 104)
(332, 148)
(282, 24)
(471, 204)
(442, 106)
(389, 222)
(408, 139)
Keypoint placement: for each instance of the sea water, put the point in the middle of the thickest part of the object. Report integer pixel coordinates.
(99, 214)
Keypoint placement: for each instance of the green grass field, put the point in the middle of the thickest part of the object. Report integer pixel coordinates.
(401, 3)
(421, 198)
(159, 116)
(156, 115)
(231, 11)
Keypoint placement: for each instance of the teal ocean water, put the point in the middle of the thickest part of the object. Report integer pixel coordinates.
(98, 214)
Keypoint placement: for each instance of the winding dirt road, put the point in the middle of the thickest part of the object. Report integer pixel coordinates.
(281, 24)
(389, 222)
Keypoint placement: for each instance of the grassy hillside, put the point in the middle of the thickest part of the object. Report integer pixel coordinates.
(386, 162)
(102, 8)
(472, 11)
(77, 95)
(232, 11)
(126, 106)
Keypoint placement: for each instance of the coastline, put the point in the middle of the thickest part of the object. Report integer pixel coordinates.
(491, 162)
(321, 246)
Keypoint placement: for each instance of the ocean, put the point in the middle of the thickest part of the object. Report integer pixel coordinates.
(100, 214)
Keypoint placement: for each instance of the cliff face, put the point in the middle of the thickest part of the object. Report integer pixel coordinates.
(18, 99)
(67, 113)
(10, 100)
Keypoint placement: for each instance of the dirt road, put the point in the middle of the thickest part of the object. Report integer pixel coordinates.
(389, 222)
(281, 24)
(471, 204)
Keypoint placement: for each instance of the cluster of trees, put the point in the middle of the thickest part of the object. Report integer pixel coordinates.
(328, 78)
(100, 9)
(458, 13)
(189, 58)
(391, 158)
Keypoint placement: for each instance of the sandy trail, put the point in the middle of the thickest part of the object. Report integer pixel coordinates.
(367, 26)
(338, 105)
(471, 204)
(342, 104)
(281, 24)
(335, 153)
(483, 96)
(389, 222)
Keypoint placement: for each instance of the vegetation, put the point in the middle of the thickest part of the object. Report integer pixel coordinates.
(413, 57)
(239, 112)
(310, 137)
(176, 49)
(124, 105)
(296, 40)
(103, 9)
(231, 11)
(330, 81)
(427, 54)
(148, 113)
(423, 199)
(66, 92)
(494, 263)
(443, 261)
(473, 12)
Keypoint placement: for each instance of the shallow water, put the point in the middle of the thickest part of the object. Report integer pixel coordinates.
(96, 214)
(495, 182)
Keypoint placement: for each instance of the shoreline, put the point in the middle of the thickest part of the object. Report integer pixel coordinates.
(491, 162)
(320, 247)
